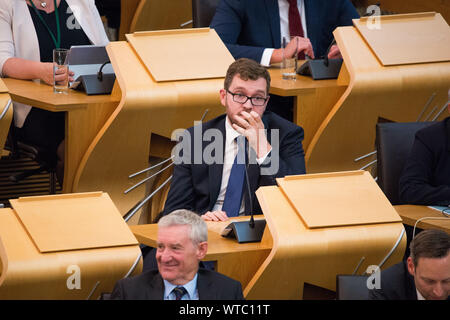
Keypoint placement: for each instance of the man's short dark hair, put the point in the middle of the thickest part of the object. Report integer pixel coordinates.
(431, 243)
(246, 69)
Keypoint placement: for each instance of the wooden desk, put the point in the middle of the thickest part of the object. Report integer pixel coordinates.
(85, 115)
(238, 261)
(313, 99)
(410, 214)
(412, 6)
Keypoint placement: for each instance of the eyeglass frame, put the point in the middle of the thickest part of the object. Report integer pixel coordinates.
(248, 98)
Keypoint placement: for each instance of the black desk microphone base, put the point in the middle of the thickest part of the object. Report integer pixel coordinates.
(242, 231)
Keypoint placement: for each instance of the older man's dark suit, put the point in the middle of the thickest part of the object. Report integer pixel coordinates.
(150, 286)
(247, 27)
(196, 186)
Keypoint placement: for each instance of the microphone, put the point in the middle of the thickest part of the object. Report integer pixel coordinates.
(100, 73)
(251, 223)
(246, 231)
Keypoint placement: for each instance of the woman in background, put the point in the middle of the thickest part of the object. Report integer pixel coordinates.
(29, 31)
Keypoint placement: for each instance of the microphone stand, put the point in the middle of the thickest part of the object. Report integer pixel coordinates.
(247, 231)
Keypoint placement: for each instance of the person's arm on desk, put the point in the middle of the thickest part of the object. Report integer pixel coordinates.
(303, 45)
(19, 68)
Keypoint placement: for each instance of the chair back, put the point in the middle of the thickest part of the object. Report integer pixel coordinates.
(394, 141)
(351, 287)
(203, 12)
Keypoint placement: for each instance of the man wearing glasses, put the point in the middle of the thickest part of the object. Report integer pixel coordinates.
(255, 147)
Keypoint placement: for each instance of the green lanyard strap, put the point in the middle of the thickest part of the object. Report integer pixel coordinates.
(58, 31)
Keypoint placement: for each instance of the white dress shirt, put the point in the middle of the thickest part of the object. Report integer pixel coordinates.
(283, 6)
(419, 295)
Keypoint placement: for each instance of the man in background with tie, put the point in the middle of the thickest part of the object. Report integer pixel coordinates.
(181, 244)
(255, 28)
(210, 175)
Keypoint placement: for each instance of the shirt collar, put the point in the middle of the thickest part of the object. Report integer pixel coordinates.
(230, 133)
(191, 288)
(419, 296)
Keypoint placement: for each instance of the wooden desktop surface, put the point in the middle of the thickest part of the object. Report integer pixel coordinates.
(411, 213)
(282, 87)
(239, 261)
(85, 115)
(41, 95)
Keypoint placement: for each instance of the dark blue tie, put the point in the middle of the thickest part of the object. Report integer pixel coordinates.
(179, 292)
(233, 195)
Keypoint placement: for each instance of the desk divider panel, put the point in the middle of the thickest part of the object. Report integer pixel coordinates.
(338, 199)
(64, 247)
(413, 38)
(71, 222)
(171, 55)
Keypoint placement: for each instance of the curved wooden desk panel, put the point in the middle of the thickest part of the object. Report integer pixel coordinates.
(122, 146)
(313, 99)
(25, 273)
(302, 255)
(396, 93)
(5, 117)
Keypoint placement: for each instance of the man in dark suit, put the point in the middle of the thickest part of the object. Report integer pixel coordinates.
(255, 29)
(425, 275)
(182, 243)
(249, 27)
(205, 169)
(426, 176)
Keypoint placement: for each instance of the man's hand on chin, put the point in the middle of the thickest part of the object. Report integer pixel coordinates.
(251, 126)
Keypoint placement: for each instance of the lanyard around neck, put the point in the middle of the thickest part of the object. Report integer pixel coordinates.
(58, 31)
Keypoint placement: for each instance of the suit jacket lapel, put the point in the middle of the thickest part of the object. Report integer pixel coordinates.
(204, 287)
(155, 289)
(215, 170)
(274, 19)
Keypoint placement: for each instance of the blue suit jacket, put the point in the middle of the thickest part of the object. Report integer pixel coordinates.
(247, 27)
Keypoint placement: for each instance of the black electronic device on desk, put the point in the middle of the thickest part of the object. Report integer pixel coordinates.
(92, 69)
(95, 83)
(324, 68)
(245, 231)
(320, 69)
